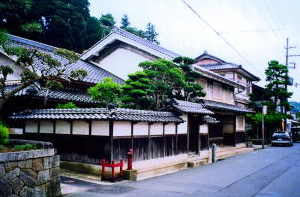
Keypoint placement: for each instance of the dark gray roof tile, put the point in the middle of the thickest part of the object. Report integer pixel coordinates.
(117, 114)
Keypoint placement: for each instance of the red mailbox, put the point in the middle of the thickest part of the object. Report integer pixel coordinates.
(129, 157)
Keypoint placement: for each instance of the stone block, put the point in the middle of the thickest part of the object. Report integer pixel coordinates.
(11, 175)
(130, 175)
(5, 189)
(54, 172)
(16, 185)
(37, 164)
(39, 191)
(27, 192)
(28, 180)
(43, 176)
(2, 170)
(56, 160)
(30, 172)
(10, 166)
(25, 164)
(48, 161)
(53, 188)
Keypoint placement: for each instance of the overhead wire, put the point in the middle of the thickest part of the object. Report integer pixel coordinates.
(219, 34)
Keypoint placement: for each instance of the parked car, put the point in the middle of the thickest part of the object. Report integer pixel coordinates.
(282, 138)
(295, 133)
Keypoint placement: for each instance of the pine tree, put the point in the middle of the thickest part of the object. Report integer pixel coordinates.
(125, 21)
(151, 34)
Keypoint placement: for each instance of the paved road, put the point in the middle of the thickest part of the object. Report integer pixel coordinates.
(273, 172)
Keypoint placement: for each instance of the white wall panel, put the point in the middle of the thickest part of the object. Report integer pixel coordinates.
(46, 127)
(156, 129)
(122, 129)
(203, 128)
(140, 128)
(62, 127)
(80, 128)
(170, 128)
(31, 127)
(182, 127)
(100, 128)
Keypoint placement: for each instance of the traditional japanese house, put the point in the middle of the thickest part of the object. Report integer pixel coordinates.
(88, 135)
(197, 120)
(35, 96)
(233, 72)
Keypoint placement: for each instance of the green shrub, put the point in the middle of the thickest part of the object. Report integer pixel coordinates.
(24, 147)
(4, 134)
(69, 105)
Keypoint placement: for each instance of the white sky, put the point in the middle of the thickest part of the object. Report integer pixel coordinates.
(181, 31)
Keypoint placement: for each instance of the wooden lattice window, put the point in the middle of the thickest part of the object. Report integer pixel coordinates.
(240, 123)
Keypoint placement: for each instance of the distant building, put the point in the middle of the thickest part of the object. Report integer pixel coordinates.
(231, 71)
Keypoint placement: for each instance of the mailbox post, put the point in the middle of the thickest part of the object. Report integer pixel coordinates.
(129, 159)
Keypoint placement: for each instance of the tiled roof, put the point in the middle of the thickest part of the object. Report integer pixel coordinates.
(210, 120)
(144, 42)
(210, 74)
(66, 94)
(117, 114)
(224, 107)
(95, 73)
(138, 39)
(189, 107)
(220, 66)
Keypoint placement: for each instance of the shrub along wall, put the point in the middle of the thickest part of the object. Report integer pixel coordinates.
(30, 173)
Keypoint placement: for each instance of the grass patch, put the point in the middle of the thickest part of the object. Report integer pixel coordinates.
(17, 147)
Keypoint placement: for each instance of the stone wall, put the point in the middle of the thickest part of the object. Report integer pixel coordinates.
(30, 173)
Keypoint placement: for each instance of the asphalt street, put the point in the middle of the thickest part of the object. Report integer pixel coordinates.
(272, 172)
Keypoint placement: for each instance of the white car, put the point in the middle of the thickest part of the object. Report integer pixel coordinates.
(282, 138)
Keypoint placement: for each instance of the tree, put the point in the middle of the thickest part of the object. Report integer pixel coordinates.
(125, 21)
(165, 79)
(191, 90)
(136, 91)
(151, 34)
(49, 74)
(68, 105)
(106, 92)
(107, 22)
(277, 78)
(275, 96)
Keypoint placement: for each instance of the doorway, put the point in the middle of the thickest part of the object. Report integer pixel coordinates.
(193, 139)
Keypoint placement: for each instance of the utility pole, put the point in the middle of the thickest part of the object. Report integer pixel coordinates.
(287, 65)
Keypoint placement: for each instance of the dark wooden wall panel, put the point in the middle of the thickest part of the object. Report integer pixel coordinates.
(240, 137)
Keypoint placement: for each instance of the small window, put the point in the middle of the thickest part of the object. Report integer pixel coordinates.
(240, 123)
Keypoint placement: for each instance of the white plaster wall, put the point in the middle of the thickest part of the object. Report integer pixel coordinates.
(156, 129)
(182, 127)
(240, 126)
(80, 128)
(100, 128)
(122, 62)
(17, 69)
(46, 127)
(170, 128)
(31, 127)
(62, 127)
(228, 128)
(140, 128)
(122, 129)
(203, 128)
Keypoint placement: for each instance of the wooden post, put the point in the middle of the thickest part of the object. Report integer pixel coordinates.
(164, 140)
(90, 128)
(103, 169)
(71, 127)
(132, 124)
(176, 138)
(39, 127)
(188, 134)
(54, 127)
(149, 141)
(111, 132)
(234, 122)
